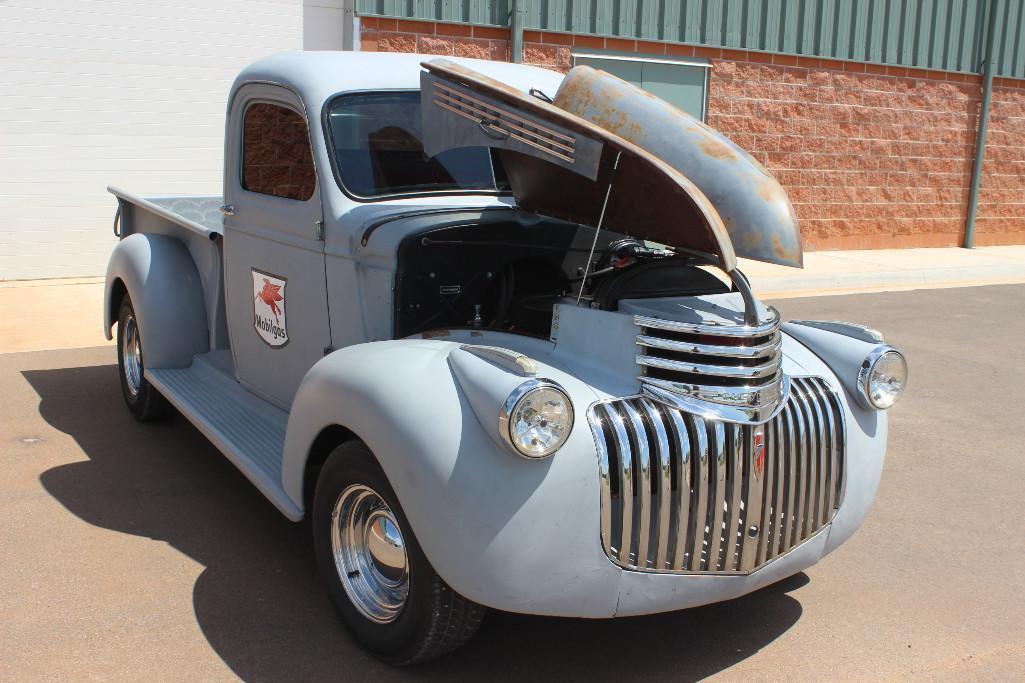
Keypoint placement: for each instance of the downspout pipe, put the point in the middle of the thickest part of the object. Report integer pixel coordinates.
(350, 31)
(980, 142)
(517, 11)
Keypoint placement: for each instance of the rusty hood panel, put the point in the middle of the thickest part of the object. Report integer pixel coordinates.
(754, 207)
(678, 182)
(562, 165)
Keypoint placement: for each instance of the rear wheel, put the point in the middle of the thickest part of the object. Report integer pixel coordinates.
(380, 581)
(142, 399)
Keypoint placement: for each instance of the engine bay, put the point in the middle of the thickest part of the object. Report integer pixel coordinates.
(507, 271)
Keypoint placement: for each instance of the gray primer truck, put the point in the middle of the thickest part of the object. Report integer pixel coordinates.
(484, 325)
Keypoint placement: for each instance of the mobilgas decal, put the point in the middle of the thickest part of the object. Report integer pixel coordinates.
(269, 308)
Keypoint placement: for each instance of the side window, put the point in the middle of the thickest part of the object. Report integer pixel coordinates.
(276, 155)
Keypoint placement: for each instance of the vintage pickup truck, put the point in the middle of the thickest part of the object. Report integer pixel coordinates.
(483, 325)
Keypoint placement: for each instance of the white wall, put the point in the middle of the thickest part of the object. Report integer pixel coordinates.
(114, 92)
(322, 24)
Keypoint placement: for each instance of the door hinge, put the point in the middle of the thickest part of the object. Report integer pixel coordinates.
(319, 227)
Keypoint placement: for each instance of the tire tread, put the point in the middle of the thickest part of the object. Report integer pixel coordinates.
(454, 621)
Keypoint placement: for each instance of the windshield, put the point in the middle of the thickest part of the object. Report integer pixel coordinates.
(375, 141)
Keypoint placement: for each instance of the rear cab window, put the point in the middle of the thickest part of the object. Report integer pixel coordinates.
(276, 156)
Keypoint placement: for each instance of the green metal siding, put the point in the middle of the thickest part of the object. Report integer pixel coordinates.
(928, 34)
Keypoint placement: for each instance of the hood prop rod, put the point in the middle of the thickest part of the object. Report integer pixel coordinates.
(597, 230)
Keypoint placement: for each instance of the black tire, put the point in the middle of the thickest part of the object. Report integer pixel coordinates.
(434, 619)
(145, 402)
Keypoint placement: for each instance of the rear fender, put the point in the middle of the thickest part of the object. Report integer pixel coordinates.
(159, 275)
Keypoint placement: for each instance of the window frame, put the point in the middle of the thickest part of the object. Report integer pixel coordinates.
(618, 57)
(332, 159)
(242, 148)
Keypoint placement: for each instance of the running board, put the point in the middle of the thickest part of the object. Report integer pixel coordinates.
(248, 430)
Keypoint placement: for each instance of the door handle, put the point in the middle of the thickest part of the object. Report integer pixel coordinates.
(228, 209)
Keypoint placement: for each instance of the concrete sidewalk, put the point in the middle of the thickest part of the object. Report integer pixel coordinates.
(66, 313)
(887, 270)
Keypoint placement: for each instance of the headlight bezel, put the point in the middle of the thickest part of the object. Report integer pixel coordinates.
(865, 376)
(512, 402)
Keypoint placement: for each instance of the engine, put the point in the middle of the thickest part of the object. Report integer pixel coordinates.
(505, 270)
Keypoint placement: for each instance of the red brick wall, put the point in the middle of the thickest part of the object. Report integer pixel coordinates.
(1001, 213)
(872, 157)
(870, 160)
(460, 40)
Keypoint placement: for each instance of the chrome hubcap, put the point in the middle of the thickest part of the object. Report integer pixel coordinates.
(370, 555)
(131, 352)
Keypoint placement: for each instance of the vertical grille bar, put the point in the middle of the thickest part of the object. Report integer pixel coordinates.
(792, 499)
(809, 476)
(642, 482)
(716, 501)
(821, 450)
(662, 475)
(830, 445)
(800, 504)
(754, 480)
(822, 432)
(807, 404)
(779, 510)
(626, 486)
(598, 419)
(769, 458)
(841, 446)
(734, 491)
(699, 447)
(683, 488)
(684, 493)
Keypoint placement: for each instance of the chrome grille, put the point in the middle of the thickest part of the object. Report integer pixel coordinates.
(735, 366)
(685, 494)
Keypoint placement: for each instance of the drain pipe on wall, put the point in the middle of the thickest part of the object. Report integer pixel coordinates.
(517, 11)
(980, 142)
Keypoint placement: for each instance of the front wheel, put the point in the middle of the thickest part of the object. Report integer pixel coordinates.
(380, 581)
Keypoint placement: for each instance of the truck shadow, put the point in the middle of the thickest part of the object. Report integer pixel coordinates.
(258, 600)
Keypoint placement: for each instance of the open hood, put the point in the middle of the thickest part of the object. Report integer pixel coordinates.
(589, 157)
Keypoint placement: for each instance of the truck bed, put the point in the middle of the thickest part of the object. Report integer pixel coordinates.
(199, 213)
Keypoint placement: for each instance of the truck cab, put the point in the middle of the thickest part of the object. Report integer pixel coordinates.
(484, 324)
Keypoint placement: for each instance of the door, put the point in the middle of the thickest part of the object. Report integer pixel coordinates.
(273, 252)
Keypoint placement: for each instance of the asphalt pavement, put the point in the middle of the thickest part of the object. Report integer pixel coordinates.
(132, 551)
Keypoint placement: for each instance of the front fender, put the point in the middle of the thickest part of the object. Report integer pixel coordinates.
(160, 276)
(827, 353)
(505, 531)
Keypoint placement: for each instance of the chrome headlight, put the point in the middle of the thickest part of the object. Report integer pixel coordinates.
(882, 377)
(536, 419)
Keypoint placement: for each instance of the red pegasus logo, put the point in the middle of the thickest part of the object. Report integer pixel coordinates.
(271, 295)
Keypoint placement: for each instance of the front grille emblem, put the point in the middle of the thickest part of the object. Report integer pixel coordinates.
(758, 450)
